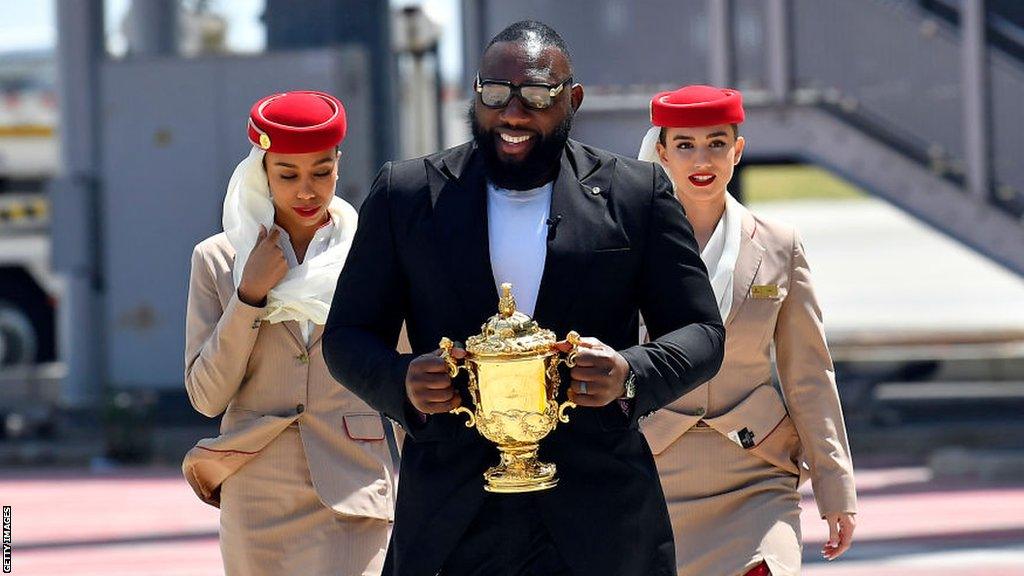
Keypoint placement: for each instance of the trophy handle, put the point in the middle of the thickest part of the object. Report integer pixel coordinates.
(573, 337)
(569, 360)
(463, 410)
(453, 370)
(562, 416)
(446, 355)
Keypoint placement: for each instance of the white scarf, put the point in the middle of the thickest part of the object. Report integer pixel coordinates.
(306, 291)
(723, 248)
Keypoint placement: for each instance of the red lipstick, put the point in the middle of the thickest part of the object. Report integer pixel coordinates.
(306, 212)
(702, 179)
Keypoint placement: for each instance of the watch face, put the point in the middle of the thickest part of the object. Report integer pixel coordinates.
(630, 385)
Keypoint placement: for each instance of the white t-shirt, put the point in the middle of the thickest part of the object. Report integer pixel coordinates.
(517, 235)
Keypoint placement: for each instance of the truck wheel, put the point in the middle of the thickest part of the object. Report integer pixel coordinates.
(18, 338)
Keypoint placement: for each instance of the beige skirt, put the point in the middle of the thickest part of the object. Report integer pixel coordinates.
(272, 521)
(730, 510)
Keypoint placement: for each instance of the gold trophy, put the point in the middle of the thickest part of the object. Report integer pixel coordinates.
(513, 380)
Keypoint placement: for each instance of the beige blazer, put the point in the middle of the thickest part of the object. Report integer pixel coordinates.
(802, 430)
(263, 378)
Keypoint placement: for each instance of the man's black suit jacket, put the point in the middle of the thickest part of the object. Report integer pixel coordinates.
(622, 246)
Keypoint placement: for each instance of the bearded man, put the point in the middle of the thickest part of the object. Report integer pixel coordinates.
(589, 240)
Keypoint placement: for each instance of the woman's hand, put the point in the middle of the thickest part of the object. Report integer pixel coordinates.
(264, 269)
(840, 534)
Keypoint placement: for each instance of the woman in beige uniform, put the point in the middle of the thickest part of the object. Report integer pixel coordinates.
(301, 471)
(732, 453)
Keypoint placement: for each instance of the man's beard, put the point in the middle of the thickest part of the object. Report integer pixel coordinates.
(540, 165)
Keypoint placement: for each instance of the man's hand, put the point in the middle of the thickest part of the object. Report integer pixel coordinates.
(428, 386)
(840, 535)
(599, 375)
(265, 267)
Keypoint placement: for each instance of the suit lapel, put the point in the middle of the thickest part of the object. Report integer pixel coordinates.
(295, 331)
(579, 196)
(458, 196)
(747, 263)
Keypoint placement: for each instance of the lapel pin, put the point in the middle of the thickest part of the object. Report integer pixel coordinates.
(764, 291)
(746, 438)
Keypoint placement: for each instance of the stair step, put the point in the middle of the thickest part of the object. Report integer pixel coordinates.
(946, 391)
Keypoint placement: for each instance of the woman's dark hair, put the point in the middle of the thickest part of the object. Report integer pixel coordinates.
(735, 133)
(337, 152)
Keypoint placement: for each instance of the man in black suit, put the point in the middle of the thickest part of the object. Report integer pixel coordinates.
(589, 240)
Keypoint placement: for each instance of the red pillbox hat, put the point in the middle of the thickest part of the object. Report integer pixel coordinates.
(695, 106)
(297, 122)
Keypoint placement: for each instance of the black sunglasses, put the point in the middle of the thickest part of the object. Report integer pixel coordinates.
(498, 93)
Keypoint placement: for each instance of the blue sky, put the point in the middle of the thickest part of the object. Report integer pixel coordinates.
(27, 25)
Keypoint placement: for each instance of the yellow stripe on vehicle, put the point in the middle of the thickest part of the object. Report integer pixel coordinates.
(24, 212)
(27, 131)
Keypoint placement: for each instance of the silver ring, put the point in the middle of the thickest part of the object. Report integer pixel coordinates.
(583, 387)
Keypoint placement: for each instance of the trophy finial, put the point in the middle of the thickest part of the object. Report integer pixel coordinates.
(507, 302)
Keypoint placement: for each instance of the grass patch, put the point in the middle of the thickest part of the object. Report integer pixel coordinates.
(795, 182)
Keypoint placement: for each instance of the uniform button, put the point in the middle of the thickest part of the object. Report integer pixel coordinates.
(595, 190)
(383, 490)
(304, 358)
(700, 411)
(255, 324)
(300, 408)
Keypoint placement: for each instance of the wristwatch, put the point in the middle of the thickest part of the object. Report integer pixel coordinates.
(630, 385)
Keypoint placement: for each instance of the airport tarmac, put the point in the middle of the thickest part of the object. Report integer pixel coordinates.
(126, 522)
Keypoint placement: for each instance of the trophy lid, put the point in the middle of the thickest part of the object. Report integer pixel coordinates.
(510, 332)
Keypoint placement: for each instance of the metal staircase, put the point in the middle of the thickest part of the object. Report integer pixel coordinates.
(919, 103)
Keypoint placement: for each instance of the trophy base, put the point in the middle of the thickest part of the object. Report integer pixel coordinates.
(519, 472)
